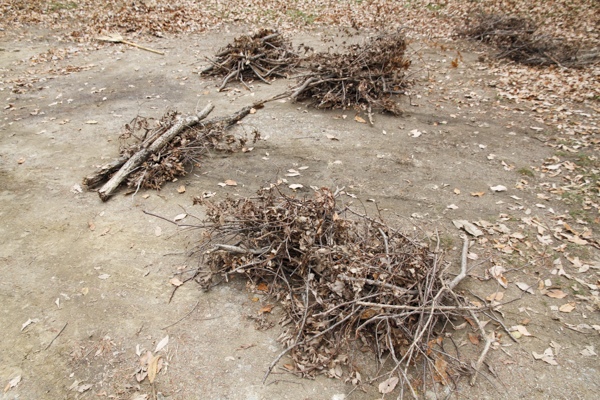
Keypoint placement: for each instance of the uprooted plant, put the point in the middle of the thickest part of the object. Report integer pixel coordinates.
(345, 281)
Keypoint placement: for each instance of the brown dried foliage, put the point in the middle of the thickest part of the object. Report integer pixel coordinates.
(365, 77)
(183, 152)
(519, 40)
(263, 55)
(336, 273)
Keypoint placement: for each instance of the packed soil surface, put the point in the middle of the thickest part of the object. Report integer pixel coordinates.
(86, 288)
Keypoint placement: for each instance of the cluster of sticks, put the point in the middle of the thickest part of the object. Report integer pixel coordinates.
(162, 152)
(346, 281)
(518, 40)
(263, 55)
(365, 76)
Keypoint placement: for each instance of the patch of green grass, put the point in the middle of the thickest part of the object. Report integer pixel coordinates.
(526, 172)
(435, 7)
(447, 241)
(62, 6)
(301, 15)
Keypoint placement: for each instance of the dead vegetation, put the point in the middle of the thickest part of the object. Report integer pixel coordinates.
(519, 40)
(264, 55)
(346, 282)
(363, 77)
(157, 151)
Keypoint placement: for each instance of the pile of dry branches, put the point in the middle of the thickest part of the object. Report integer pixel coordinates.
(154, 152)
(518, 40)
(263, 55)
(346, 282)
(365, 76)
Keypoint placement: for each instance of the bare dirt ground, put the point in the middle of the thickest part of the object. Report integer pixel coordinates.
(109, 287)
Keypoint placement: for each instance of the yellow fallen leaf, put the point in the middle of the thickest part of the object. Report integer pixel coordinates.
(153, 368)
(229, 182)
(21, 161)
(263, 287)
(181, 189)
(85, 291)
(457, 191)
(477, 194)
(359, 119)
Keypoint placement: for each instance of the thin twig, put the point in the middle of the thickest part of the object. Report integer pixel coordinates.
(57, 335)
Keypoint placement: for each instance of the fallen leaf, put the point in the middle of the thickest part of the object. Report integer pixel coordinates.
(13, 383)
(84, 388)
(415, 133)
(524, 287)
(456, 191)
(477, 194)
(104, 276)
(440, 368)
(467, 226)
(331, 137)
(253, 111)
(295, 186)
(388, 385)
(546, 356)
(567, 308)
(474, 339)
(175, 282)
(91, 122)
(556, 294)
(179, 217)
(162, 344)
(181, 189)
(76, 188)
(588, 351)
(92, 226)
(263, 287)
(521, 329)
(145, 196)
(20, 160)
(229, 182)
(85, 291)
(359, 119)
(498, 188)
(266, 309)
(289, 367)
(104, 232)
(495, 296)
(157, 231)
(452, 207)
(153, 367)
(28, 322)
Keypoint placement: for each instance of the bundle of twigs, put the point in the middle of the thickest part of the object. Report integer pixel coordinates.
(365, 76)
(518, 40)
(345, 281)
(263, 55)
(154, 152)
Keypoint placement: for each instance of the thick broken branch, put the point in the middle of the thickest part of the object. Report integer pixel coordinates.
(137, 159)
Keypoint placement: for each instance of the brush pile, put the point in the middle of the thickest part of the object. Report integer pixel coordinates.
(264, 55)
(363, 77)
(518, 40)
(154, 152)
(345, 281)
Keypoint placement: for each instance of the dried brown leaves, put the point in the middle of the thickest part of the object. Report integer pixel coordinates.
(364, 77)
(264, 55)
(519, 40)
(342, 277)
